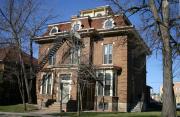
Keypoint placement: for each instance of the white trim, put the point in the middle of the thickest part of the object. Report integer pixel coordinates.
(59, 23)
(111, 88)
(74, 23)
(46, 83)
(55, 27)
(52, 82)
(46, 86)
(78, 18)
(104, 23)
(42, 74)
(83, 17)
(64, 81)
(104, 54)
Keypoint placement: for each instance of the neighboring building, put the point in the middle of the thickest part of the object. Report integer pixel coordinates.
(176, 88)
(112, 45)
(156, 97)
(9, 70)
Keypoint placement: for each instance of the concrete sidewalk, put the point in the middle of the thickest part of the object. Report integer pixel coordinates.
(30, 114)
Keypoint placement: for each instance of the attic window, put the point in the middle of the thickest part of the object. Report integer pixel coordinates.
(99, 15)
(54, 30)
(108, 24)
(76, 26)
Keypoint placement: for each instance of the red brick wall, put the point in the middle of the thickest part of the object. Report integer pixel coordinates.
(119, 59)
(122, 57)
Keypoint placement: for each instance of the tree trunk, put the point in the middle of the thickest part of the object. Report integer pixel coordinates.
(31, 71)
(21, 89)
(169, 109)
(24, 75)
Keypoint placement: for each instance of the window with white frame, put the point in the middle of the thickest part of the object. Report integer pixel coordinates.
(52, 59)
(74, 56)
(108, 24)
(107, 54)
(76, 26)
(100, 85)
(46, 84)
(54, 30)
(49, 84)
(106, 85)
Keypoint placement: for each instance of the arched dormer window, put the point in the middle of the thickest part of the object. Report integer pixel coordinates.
(108, 24)
(76, 26)
(53, 30)
(99, 15)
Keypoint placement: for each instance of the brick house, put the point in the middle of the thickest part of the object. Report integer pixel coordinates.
(111, 44)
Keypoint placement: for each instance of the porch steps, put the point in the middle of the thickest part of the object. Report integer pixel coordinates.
(55, 107)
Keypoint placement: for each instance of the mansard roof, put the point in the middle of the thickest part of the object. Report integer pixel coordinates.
(93, 24)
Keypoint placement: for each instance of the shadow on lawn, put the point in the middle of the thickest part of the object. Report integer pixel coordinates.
(154, 106)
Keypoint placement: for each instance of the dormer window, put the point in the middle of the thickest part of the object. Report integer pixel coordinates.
(76, 26)
(54, 30)
(108, 24)
(99, 15)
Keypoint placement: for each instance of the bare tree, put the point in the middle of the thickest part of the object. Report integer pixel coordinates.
(19, 25)
(161, 20)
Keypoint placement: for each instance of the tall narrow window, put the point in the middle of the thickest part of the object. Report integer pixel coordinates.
(46, 84)
(106, 78)
(49, 84)
(75, 54)
(100, 87)
(52, 59)
(108, 54)
(107, 83)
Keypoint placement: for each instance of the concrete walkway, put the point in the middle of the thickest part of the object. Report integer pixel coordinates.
(30, 114)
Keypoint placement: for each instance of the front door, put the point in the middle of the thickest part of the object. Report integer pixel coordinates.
(65, 87)
(65, 92)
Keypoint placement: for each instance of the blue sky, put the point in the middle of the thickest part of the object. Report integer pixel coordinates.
(64, 9)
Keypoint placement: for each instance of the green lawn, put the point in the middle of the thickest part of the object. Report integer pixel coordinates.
(20, 108)
(114, 114)
(17, 108)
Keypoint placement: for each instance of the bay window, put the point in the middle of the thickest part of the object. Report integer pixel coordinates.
(108, 83)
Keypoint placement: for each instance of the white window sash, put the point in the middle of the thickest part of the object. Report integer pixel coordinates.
(108, 50)
(111, 80)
